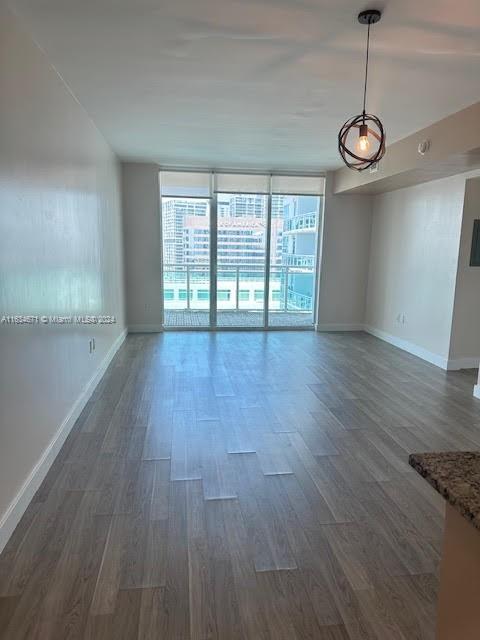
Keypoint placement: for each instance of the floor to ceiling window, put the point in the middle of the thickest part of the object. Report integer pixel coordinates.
(185, 205)
(293, 253)
(242, 218)
(220, 231)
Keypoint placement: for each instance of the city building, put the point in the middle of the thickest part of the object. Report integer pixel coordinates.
(299, 237)
(174, 213)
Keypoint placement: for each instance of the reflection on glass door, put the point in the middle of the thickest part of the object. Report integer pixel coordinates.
(186, 261)
(241, 246)
(293, 250)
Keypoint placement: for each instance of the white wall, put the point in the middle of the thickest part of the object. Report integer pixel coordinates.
(60, 253)
(413, 266)
(465, 337)
(344, 255)
(344, 260)
(143, 260)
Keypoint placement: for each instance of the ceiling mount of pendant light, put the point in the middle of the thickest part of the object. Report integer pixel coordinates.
(361, 140)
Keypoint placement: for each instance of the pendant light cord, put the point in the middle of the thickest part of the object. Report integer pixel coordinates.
(366, 73)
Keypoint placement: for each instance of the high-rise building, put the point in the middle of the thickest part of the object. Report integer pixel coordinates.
(241, 232)
(175, 211)
(299, 248)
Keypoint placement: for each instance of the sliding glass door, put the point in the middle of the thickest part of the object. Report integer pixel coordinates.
(186, 266)
(293, 257)
(186, 261)
(241, 254)
(219, 233)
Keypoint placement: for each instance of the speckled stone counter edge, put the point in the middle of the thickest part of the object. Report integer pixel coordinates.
(430, 467)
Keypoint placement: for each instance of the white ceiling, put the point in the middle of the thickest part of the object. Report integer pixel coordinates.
(255, 83)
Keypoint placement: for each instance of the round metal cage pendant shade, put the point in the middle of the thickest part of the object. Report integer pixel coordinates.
(361, 140)
(349, 135)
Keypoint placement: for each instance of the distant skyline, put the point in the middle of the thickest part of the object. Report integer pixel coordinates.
(241, 251)
(241, 225)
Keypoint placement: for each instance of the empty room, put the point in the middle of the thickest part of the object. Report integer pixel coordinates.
(239, 320)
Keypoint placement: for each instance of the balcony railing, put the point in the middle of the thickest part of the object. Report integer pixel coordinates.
(240, 287)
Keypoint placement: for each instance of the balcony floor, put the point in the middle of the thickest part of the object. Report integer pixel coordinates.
(249, 319)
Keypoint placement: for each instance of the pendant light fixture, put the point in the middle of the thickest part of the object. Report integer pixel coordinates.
(361, 140)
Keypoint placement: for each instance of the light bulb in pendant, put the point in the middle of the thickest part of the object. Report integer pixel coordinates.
(362, 146)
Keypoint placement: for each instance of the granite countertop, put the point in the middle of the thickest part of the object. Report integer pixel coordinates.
(456, 476)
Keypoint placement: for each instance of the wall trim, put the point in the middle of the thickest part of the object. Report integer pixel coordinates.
(448, 364)
(339, 327)
(145, 328)
(410, 347)
(454, 364)
(476, 391)
(35, 478)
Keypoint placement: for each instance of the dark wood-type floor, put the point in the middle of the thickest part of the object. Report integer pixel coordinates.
(242, 485)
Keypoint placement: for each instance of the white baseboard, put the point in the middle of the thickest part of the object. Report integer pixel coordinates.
(145, 328)
(23, 498)
(455, 364)
(452, 364)
(410, 347)
(338, 327)
(476, 391)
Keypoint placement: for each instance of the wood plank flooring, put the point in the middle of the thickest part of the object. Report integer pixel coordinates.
(242, 486)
